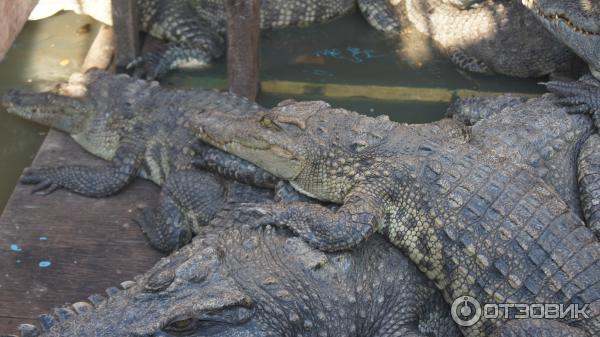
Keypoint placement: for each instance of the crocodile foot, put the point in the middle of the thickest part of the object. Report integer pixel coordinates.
(165, 229)
(155, 64)
(45, 180)
(148, 65)
(581, 96)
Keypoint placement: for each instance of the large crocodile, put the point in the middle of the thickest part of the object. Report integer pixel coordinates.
(577, 24)
(244, 282)
(487, 36)
(476, 223)
(196, 28)
(140, 128)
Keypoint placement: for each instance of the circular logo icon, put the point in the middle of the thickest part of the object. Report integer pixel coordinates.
(466, 311)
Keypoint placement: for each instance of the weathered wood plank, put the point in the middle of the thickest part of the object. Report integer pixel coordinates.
(91, 244)
(243, 39)
(101, 51)
(14, 14)
(126, 36)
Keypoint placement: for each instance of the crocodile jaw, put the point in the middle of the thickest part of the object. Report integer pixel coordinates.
(574, 24)
(61, 112)
(245, 138)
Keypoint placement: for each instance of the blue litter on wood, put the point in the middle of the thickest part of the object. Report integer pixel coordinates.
(44, 264)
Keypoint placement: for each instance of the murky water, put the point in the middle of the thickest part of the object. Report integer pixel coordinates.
(346, 54)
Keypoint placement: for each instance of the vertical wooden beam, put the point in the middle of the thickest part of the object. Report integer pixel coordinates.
(126, 32)
(243, 40)
(13, 15)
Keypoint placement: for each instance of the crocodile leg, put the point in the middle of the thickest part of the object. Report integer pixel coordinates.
(381, 14)
(189, 199)
(354, 222)
(467, 62)
(284, 192)
(588, 172)
(538, 328)
(471, 110)
(581, 96)
(197, 38)
(232, 167)
(90, 181)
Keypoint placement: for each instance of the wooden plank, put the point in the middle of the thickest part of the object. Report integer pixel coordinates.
(91, 243)
(101, 50)
(243, 39)
(378, 92)
(14, 14)
(126, 36)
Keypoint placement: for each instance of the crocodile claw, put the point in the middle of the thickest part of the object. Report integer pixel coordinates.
(148, 66)
(43, 180)
(577, 97)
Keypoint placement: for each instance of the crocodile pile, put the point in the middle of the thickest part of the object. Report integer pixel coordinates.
(479, 219)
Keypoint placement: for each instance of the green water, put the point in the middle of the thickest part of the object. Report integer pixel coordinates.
(346, 51)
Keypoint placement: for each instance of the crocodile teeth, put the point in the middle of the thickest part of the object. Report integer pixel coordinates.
(82, 307)
(138, 278)
(46, 321)
(96, 299)
(127, 284)
(28, 330)
(64, 314)
(112, 291)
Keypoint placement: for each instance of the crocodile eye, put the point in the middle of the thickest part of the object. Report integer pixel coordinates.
(267, 122)
(181, 326)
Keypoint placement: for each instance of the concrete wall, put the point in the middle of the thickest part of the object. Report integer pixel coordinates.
(13, 13)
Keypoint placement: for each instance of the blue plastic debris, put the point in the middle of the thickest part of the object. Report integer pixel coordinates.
(44, 264)
(43, 238)
(15, 248)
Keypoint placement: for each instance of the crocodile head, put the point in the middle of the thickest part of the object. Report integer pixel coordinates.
(49, 108)
(575, 23)
(240, 282)
(91, 107)
(322, 151)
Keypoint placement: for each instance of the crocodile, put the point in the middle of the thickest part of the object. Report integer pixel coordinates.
(140, 127)
(576, 24)
(477, 224)
(237, 281)
(573, 23)
(196, 29)
(487, 36)
(484, 36)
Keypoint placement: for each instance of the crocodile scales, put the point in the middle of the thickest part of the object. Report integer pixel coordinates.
(475, 223)
(140, 127)
(241, 282)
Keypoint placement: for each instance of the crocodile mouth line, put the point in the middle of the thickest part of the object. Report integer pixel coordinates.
(565, 21)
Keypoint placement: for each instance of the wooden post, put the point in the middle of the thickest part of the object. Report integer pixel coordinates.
(243, 39)
(126, 32)
(14, 14)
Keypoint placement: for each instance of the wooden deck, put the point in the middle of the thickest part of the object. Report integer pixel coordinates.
(89, 244)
